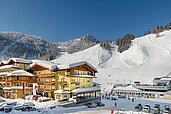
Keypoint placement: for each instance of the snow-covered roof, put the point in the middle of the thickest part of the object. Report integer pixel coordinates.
(169, 74)
(127, 88)
(86, 76)
(3, 73)
(20, 60)
(20, 73)
(68, 66)
(8, 67)
(16, 88)
(84, 90)
(61, 91)
(166, 79)
(3, 62)
(168, 92)
(46, 64)
(81, 63)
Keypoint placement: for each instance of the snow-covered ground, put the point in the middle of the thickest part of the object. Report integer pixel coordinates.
(126, 104)
(147, 58)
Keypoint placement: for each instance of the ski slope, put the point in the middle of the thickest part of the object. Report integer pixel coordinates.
(147, 58)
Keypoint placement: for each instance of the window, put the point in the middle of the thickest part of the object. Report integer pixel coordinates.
(62, 87)
(85, 72)
(75, 72)
(18, 77)
(30, 78)
(53, 87)
(62, 79)
(65, 96)
(80, 72)
(48, 80)
(17, 84)
(30, 85)
(58, 96)
(48, 87)
(88, 80)
(78, 80)
(41, 86)
(53, 79)
(42, 79)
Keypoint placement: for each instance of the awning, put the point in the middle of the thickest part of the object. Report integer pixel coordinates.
(86, 90)
(127, 88)
(62, 91)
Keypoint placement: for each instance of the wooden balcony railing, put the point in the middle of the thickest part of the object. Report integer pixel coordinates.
(44, 75)
(46, 89)
(62, 83)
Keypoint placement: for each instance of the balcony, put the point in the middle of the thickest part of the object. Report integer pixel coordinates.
(62, 83)
(20, 80)
(3, 80)
(46, 89)
(49, 83)
(44, 75)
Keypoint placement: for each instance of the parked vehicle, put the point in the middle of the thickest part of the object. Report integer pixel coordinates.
(120, 111)
(156, 109)
(2, 105)
(28, 104)
(17, 107)
(11, 103)
(138, 108)
(122, 96)
(147, 108)
(2, 100)
(92, 105)
(166, 110)
(7, 108)
(63, 100)
(43, 99)
(100, 104)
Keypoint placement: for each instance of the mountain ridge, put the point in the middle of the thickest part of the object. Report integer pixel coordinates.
(17, 44)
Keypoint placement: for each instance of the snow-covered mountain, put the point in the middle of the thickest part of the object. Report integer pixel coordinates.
(15, 44)
(78, 44)
(147, 58)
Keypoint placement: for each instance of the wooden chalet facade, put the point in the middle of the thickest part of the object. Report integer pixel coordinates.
(49, 77)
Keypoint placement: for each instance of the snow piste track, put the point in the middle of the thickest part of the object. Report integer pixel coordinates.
(147, 58)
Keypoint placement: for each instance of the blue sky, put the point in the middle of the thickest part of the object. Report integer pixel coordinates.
(62, 20)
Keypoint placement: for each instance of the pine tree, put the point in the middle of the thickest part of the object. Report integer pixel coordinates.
(161, 28)
(153, 31)
(149, 32)
(157, 31)
(145, 33)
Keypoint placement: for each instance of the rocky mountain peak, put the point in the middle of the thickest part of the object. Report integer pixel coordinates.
(88, 38)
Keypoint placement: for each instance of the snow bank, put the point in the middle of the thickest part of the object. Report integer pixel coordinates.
(134, 56)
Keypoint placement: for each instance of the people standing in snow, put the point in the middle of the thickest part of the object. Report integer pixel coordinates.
(115, 104)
